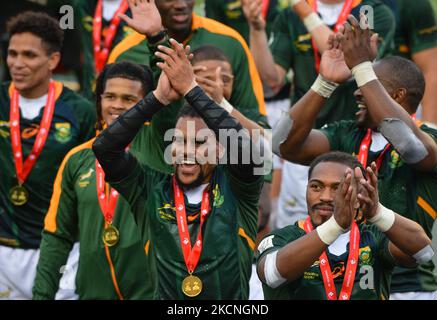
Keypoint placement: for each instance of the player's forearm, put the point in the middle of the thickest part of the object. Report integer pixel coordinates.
(109, 147)
(320, 32)
(429, 102)
(220, 122)
(267, 68)
(295, 258)
(407, 235)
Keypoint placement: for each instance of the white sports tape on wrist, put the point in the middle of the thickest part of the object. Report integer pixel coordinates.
(294, 2)
(324, 87)
(271, 273)
(312, 21)
(384, 218)
(226, 105)
(424, 255)
(329, 231)
(364, 73)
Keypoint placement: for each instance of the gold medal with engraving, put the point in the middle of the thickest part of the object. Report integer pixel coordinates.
(18, 195)
(110, 236)
(192, 286)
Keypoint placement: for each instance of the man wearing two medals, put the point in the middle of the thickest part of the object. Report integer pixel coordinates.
(40, 121)
(332, 256)
(101, 30)
(405, 151)
(203, 219)
(114, 262)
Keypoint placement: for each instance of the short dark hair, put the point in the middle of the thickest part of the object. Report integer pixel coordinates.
(187, 111)
(39, 24)
(336, 157)
(208, 52)
(404, 73)
(124, 70)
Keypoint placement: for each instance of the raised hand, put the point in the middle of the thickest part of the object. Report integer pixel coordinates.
(253, 11)
(356, 43)
(213, 88)
(332, 66)
(368, 195)
(164, 92)
(145, 17)
(177, 67)
(345, 200)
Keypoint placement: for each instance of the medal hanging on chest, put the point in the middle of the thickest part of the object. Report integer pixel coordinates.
(18, 195)
(110, 235)
(192, 285)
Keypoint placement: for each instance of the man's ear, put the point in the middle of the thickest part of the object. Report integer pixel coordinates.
(54, 60)
(399, 95)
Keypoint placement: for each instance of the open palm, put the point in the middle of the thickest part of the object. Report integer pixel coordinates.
(145, 17)
(333, 67)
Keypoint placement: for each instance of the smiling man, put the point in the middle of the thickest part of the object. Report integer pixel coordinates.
(180, 23)
(324, 256)
(203, 219)
(406, 153)
(40, 121)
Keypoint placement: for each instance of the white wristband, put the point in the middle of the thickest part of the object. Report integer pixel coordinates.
(294, 2)
(384, 218)
(226, 105)
(364, 73)
(312, 21)
(329, 231)
(324, 87)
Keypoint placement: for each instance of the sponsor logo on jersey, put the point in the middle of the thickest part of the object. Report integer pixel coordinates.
(63, 132)
(167, 212)
(84, 178)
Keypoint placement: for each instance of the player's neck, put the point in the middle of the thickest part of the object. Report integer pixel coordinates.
(36, 91)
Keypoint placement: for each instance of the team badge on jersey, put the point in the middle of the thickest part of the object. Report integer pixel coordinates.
(365, 255)
(218, 197)
(63, 132)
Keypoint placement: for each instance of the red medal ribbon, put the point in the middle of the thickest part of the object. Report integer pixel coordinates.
(106, 205)
(351, 267)
(265, 8)
(345, 11)
(364, 150)
(101, 55)
(191, 255)
(23, 171)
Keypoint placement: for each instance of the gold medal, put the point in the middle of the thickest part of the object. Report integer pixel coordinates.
(192, 286)
(110, 236)
(18, 195)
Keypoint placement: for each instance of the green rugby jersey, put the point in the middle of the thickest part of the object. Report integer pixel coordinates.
(85, 10)
(230, 12)
(228, 233)
(123, 271)
(291, 48)
(374, 267)
(247, 95)
(73, 123)
(416, 26)
(406, 191)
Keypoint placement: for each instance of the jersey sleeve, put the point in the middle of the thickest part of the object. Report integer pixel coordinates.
(281, 40)
(421, 25)
(277, 240)
(335, 132)
(136, 188)
(384, 254)
(59, 234)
